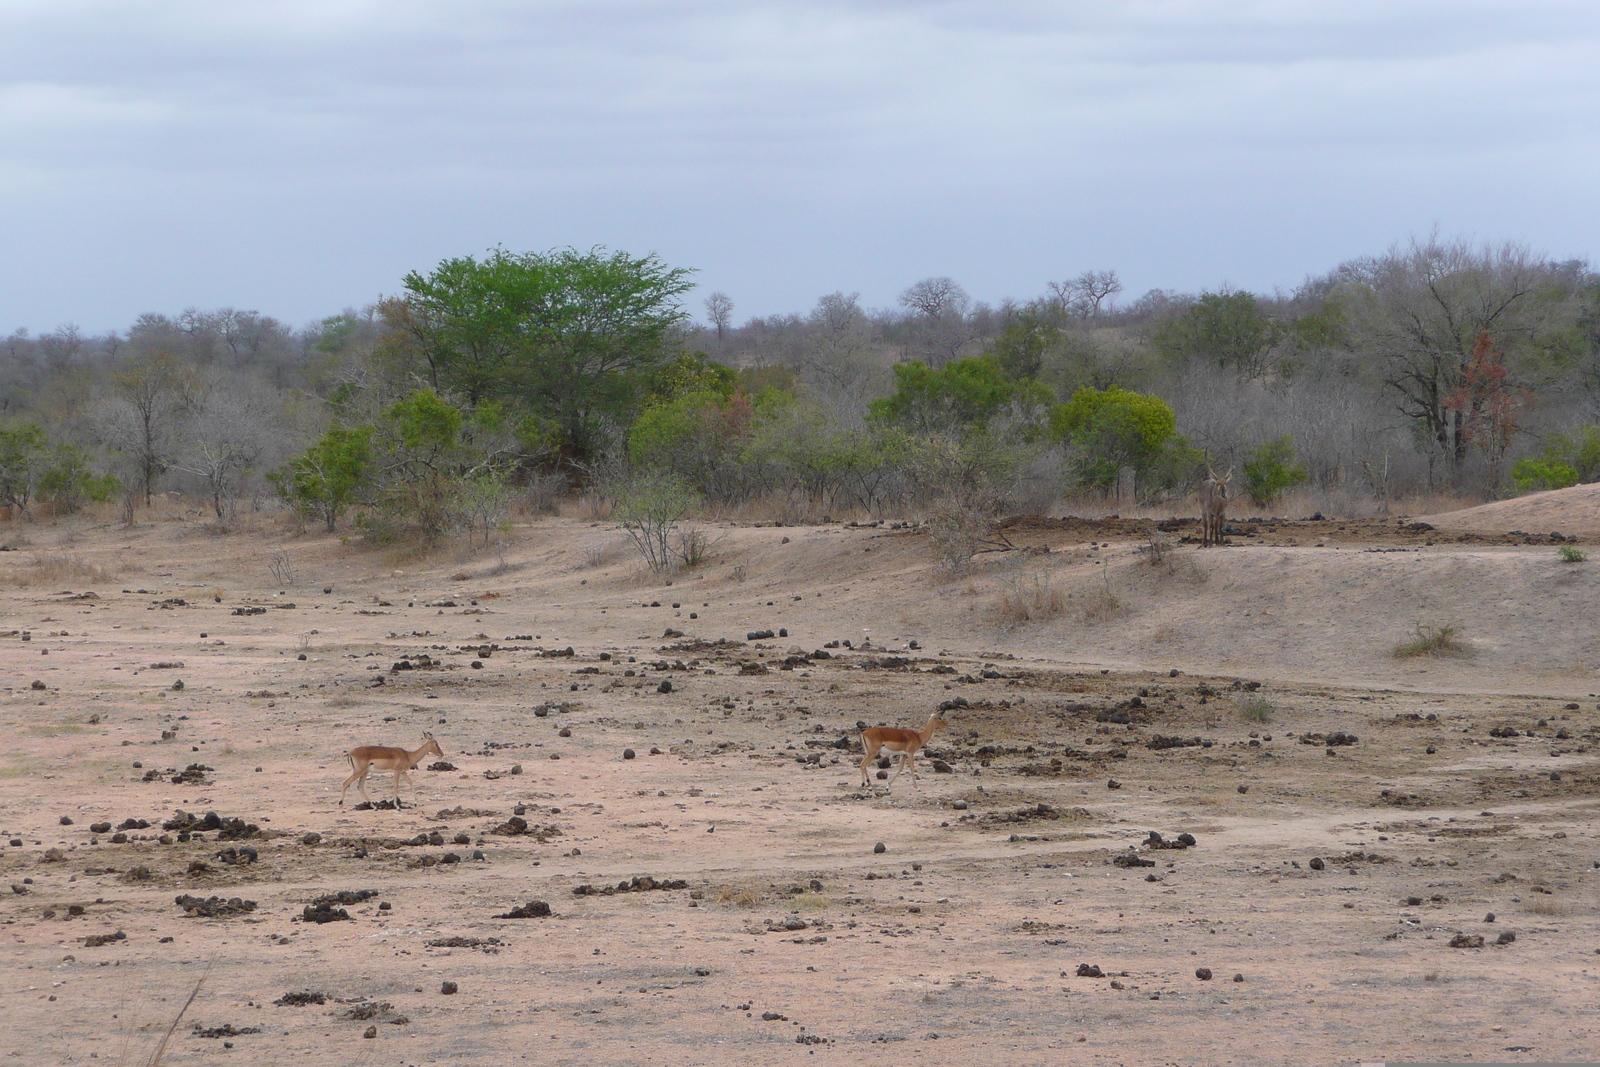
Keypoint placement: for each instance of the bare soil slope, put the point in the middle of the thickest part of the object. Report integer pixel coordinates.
(1574, 512)
(685, 795)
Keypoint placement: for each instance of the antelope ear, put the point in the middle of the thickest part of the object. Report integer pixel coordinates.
(427, 736)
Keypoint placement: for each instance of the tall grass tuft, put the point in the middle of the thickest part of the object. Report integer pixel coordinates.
(1431, 640)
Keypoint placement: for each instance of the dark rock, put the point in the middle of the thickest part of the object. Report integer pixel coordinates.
(1203, 973)
(448, 989)
(1316, 863)
(533, 909)
(880, 848)
(1090, 970)
(214, 907)
(1467, 941)
(627, 753)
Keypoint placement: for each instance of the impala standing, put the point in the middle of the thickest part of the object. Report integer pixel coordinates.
(897, 739)
(369, 758)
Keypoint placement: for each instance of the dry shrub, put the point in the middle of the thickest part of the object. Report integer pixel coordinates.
(1256, 710)
(544, 493)
(57, 568)
(599, 553)
(345, 700)
(1100, 605)
(1033, 601)
(742, 896)
(1430, 640)
(957, 532)
(1549, 906)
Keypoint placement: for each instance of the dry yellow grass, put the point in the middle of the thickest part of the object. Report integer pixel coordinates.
(57, 568)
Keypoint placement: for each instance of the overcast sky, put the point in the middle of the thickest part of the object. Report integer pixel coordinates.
(299, 157)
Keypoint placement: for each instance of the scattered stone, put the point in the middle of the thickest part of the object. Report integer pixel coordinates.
(1090, 970)
(627, 753)
(300, 1000)
(1505, 938)
(371, 1031)
(1244, 789)
(1316, 863)
(448, 989)
(1113, 784)
(1467, 941)
(880, 848)
(66, 820)
(1203, 973)
(97, 940)
(533, 909)
(641, 883)
(225, 1030)
(312, 838)
(213, 907)
(1238, 978)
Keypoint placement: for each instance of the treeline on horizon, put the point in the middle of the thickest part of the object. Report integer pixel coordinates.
(499, 383)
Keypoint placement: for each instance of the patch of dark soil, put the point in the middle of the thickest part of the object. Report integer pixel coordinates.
(300, 1000)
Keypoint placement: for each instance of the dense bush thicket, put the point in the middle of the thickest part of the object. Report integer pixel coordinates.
(509, 378)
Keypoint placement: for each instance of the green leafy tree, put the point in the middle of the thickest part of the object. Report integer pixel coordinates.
(1227, 329)
(966, 394)
(69, 480)
(327, 478)
(24, 455)
(1024, 346)
(1271, 471)
(1114, 429)
(572, 337)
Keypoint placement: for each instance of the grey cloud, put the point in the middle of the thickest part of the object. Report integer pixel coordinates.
(863, 143)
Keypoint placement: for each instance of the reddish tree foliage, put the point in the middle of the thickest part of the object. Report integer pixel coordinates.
(1489, 409)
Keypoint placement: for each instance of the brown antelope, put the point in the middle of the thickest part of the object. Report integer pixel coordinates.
(897, 739)
(1213, 507)
(370, 758)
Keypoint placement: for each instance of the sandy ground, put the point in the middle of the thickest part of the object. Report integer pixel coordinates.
(1206, 683)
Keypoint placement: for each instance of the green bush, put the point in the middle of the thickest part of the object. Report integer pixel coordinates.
(1271, 471)
(1572, 554)
(324, 480)
(1567, 459)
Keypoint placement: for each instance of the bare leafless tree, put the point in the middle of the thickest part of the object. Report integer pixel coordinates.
(719, 309)
(1086, 295)
(939, 308)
